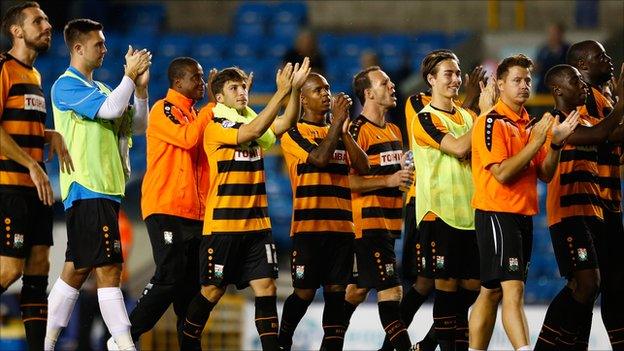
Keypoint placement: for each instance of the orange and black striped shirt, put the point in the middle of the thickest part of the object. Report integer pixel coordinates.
(237, 200)
(609, 154)
(378, 212)
(414, 104)
(22, 116)
(321, 196)
(573, 190)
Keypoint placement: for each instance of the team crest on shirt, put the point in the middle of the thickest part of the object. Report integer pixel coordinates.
(117, 246)
(299, 272)
(582, 254)
(439, 262)
(389, 269)
(218, 271)
(227, 123)
(18, 240)
(168, 236)
(34, 102)
(513, 264)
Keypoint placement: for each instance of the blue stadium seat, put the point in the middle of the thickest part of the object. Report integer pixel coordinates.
(243, 48)
(342, 69)
(392, 44)
(276, 47)
(140, 41)
(250, 31)
(290, 12)
(327, 43)
(284, 31)
(457, 38)
(174, 45)
(252, 12)
(392, 63)
(210, 46)
(353, 45)
(426, 42)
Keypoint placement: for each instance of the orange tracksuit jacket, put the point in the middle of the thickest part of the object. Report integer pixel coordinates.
(176, 179)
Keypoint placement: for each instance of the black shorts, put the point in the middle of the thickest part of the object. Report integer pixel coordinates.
(446, 252)
(609, 245)
(411, 239)
(237, 259)
(93, 233)
(320, 259)
(505, 241)
(374, 265)
(26, 222)
(573, 241)
(175, 247)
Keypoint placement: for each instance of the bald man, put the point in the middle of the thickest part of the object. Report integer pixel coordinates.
(318, 155)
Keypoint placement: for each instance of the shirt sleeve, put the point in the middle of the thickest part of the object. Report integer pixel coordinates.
(490, 140)
(71, 94)
(428, 130)
(224, 133)
(164, 124)
(297, 144)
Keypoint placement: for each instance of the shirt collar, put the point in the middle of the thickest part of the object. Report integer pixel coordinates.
(506, 111)
(179, 100)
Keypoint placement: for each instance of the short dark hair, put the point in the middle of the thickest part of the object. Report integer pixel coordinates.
(15, 16)
(513, 61)
(556, 73)
(430, 62)
(361, 82)
(579, 51)
(234, 74)
(177, 68)
(76, 28)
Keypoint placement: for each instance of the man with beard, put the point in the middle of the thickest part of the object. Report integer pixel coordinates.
(25, 191)
(94, 120)
(596, 68)
(377, 204)
(318, 156)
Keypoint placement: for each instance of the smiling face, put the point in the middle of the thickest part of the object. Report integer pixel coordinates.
(446, 80)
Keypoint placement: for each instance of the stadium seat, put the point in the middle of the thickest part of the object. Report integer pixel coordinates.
(174, 45)
(284, 31)
(276, 47)
(392, 44)
(250, 31)
(210, 46)
(243, 48)
(327, 43)
(353, 45)
(426, 42)
(290, 12)
(252, 13)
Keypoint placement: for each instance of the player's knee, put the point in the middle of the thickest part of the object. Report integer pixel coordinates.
(356, 295)
(9, 273)
(37, 263)
(392, 294)
(492, 296)
(108, 276)
(212, 293)
(587, 288)
(305, 294)
(424, 286)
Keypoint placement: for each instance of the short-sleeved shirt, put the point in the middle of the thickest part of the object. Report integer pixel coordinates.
(69, 93)
(321, 196)
(378, 212)
(609, 154)
(414, 104)
(237, 200)
(573, 190)
(22, 116)
(497, 136)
